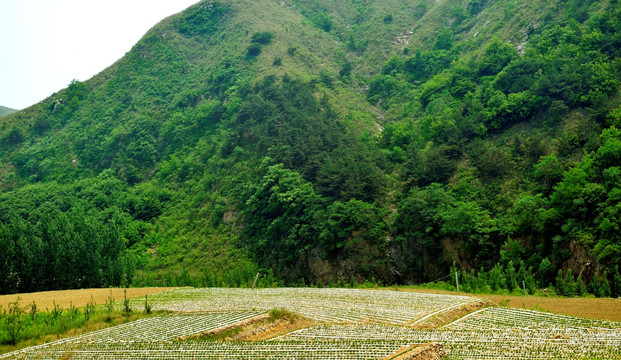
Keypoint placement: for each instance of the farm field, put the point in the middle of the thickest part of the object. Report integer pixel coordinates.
(78, 298)
(588, 307)
(352, 324)
(593, 308)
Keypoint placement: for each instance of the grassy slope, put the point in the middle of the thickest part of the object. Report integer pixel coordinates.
(6, 111)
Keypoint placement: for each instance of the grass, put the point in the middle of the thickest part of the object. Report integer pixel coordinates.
(43, 327)
(67, 313)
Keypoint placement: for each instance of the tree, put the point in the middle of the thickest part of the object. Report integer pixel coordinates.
(561, 289)
(444, 41)
(617, 282)
(580, 286)
(253, 50)
(511, 277)
(14, 321)
(570, 284)
(497, 280)
(279, 216)
(605, 285)
(498, 54)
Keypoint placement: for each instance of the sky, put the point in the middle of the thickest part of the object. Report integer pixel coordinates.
(44, 44)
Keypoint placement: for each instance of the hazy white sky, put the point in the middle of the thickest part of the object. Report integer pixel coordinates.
(44, 44)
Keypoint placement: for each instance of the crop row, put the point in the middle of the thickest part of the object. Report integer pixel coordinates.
(482, 344)
(330, 305)
(506, 318)
(316, 350)
(149, 330)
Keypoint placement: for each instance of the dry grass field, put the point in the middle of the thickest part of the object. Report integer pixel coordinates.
(77, 298)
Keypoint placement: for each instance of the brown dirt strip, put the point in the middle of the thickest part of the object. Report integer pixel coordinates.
(279, 328)
(77, 298)
(429, 351)
(450, 315)
(258, 328)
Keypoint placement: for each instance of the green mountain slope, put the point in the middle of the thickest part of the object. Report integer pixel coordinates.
(6, 111)
(325, 140)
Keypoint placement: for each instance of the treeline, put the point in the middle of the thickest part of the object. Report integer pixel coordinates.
(509, 278)
(59, 251)
(82, 235)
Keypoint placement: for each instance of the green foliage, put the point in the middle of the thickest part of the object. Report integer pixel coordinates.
(19, 326)
(13, 323)
(322, 20)
(496, 57)
(253, 50)
(279, 215)
(476, 6)
(202, 19)
(263, 38)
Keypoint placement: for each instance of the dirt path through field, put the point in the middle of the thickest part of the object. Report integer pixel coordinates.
(78, 298)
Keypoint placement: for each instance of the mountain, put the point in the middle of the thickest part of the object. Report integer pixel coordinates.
(6, 111)
(318, 141)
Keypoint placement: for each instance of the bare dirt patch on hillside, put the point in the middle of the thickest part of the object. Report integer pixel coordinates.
(77, 298)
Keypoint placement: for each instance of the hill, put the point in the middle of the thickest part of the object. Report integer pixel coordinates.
(318, 141)
(6, 111)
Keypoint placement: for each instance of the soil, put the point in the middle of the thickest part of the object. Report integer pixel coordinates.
(258, 328)
(430, 351)
(448, 316)
(77, 298)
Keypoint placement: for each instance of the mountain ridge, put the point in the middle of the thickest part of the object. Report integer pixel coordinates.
(6, 111)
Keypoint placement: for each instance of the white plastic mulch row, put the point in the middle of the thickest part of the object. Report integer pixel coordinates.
(360, 324)
(501, 317)
(149, 330)
(570, 338)
(220, 350)
(330, 305)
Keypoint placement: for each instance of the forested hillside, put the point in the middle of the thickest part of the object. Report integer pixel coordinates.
(318, 141)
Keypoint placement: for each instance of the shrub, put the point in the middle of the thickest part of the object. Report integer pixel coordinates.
(253, 50)
(264, 38)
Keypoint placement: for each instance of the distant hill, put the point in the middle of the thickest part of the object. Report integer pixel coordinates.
(325, 141)
(6, 111)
